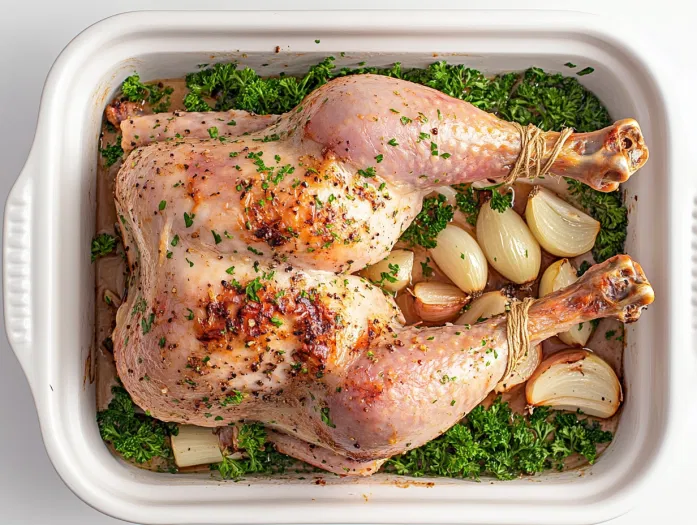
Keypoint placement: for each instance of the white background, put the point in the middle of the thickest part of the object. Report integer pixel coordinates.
(31, 37)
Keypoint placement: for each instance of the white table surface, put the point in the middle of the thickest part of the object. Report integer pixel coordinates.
(32, 35)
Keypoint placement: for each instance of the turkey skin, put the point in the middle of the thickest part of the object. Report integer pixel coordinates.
(242, 235)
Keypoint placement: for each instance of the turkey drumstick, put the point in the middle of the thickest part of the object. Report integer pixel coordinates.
(332, 184)
(240, 306)
(356, 117)
(417, 383)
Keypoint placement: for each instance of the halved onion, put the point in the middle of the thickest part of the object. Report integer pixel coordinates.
(523, 371)
(575, 379)
(438, 302)
(397, 265)
(195, 446)
(483, 307)
(461, 259)
(558, 275)
(559, 227)
(508, 244)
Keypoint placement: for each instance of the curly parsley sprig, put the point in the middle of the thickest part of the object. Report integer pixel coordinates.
(434, 216)
(497, 442)
(134, 435)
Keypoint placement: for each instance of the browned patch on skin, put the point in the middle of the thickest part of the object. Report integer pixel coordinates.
(119, 111)
(365, 340)
(315, 327)
(233, 320)
(367, 392)
(278, 214)
(192, 191)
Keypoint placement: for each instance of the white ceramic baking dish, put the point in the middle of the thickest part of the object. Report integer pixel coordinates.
(49, 280)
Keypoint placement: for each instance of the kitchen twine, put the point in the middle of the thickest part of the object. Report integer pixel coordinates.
(533, 148)
(517, 334)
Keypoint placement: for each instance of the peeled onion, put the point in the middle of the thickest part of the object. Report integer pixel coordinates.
(438, 302)
(195, 446)
(402, 262)
(575, 379)
(559, 227)
(483, 307)
(523, 371)
(461, 259)
(558, 275)
(508, 244)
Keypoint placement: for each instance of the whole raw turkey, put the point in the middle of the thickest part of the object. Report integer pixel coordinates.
(242, 232)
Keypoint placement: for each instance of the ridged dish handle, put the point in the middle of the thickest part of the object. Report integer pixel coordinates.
(17, 264)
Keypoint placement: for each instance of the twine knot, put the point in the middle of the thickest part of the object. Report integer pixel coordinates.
(533, 150)
(517, 335)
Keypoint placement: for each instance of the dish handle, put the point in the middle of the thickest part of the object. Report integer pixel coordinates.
(17, 266)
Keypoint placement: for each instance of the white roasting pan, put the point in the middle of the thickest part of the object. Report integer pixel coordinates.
(49, 280)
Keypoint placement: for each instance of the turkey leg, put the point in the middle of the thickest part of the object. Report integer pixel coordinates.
(409, 389)
(334, 183)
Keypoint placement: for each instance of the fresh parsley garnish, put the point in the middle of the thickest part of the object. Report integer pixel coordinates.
(390, 276)
(467, 200)
(431, 220)
(252, 288)
(500, 202)
(498, 442)
(326, 419)
(609, 211)
(232, 399)
(103, 244)
(259, 455)
(426, 270)
(134, 435)
(155, 94)
(112, 152)
(229, 87)
(146, 323)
